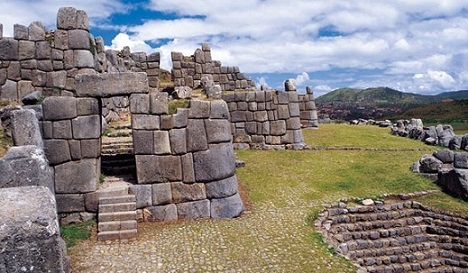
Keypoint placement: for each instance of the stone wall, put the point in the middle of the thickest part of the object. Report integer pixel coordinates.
(265, 119)
(308, 109)
(48, 61)
(72, 132)
(185, 162)
(189, 71)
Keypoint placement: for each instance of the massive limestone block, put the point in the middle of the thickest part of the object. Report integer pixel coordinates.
(229, 207)
(182, 192)
(161, 194)
(25, 166)
(77, 176)
(218, 130)
(163, 213)
(71, 18)
(67, 203)
(214, 164)
(59, 108)
(57, 151)
(143, 194)
(86, 127)
(9, 50)
(461, 160)
(222, 188)
(29, 235)
(194, 210)
(25, 128)
(78, 39)
(158, 169)
(196, 135)
(111, 84)
(429, 164)
(446, 156)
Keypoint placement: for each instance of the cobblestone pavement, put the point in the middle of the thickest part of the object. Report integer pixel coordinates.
(270, 238)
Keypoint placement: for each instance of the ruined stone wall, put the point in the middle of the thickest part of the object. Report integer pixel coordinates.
(35, 59)
(265, 119)
(189, 71)
(185, 162)
(308, 109)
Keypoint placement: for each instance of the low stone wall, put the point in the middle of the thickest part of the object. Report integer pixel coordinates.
(449, 169)
(397, 237)
(189, 70)
(30, 235)
(308, 109)
(185, 162)
(265, 119)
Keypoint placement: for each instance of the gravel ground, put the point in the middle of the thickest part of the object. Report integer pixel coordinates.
(266, 239)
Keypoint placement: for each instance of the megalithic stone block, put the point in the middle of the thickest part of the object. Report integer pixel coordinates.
(111, 84)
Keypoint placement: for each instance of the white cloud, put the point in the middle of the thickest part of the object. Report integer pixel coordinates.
(122, 39)
(442, 78)
(302, 79)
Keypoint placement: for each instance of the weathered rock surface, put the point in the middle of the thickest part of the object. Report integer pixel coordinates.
(30, 236)
(454, 181)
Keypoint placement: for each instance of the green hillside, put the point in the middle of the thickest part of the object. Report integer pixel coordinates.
(439, 112)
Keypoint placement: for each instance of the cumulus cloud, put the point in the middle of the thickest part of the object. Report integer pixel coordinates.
(122, 40)
(442, 78)
(302, 79)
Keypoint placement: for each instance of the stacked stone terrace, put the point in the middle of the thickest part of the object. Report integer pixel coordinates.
(398, 237)
(189, 70)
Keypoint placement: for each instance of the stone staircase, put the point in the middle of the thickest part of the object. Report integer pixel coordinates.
(400, 237)
(117, 211)
(117, 151)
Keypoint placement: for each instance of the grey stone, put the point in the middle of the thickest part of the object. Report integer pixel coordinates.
(429, 164)
(112, 84)
(143, 142)
(214, 91)
(187, 168)
(278, 127)
(37, 108)
(182, 192)
(14, 71)
(91, 201)
(218, 130)
(75, 149)
(86, 127)
(27, 51)
(162, 194)
(199, 109)
(87, 106)
(214, 164)
(30, 232)
(59, 108)
(32, 98)
(178, 141)
(293, 123)
(36, 31)
(78, 39)
(219, 110)
(20, 32)
(90, 148)
(294, 109)
(446, 156)
(62, 129)
(167, 122)
(461, 160)
(229, 207)
(163, 213)
(159, 103)
(222, 188)
(143, 194)
(71, 18)
(194, 210)
(455, 143)
(77, 176)
(283, 112)
(180, 119)
(70, 203)
(145, 122)
(139, 104)
(454, 181)
(43, 50)
(57, 151)
(25, 128)
(196, 135)
(9, 50)
(158, 169)
(25, 88)
(283, 97)
(162, 144)
(182, 92)
(9, 91)
(83, 59)
(26, 166)
(445, 136)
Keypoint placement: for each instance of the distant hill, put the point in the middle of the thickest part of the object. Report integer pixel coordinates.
(385, 97)
(438, 112)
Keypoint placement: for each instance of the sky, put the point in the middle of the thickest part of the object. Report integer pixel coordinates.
(417, 46)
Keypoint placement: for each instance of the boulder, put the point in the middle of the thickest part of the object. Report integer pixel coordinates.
(446, 156)
(25, 128)
(182, 92)
(464, 143)
(455, 143)
(445, 136)
(222, 188)
(213, 92)
(461, 160)
(30, 236)
(26, 166)
(429, 164)
(32, 98)
(290, 85)
(455, 182)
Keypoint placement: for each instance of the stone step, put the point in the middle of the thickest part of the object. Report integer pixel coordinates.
(117, 199)
(116, 161)
(117, 225)
(428, 257)
(394, 249)
(119, 207)
(117, 151)
(117, 235)
(113, 189)
(120, 133)
(119, 178)
(119, 170)
(117, 216)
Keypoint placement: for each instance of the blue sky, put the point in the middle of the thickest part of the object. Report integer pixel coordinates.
(417, 46)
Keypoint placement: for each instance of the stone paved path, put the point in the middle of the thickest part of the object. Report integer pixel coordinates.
(267, 239)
